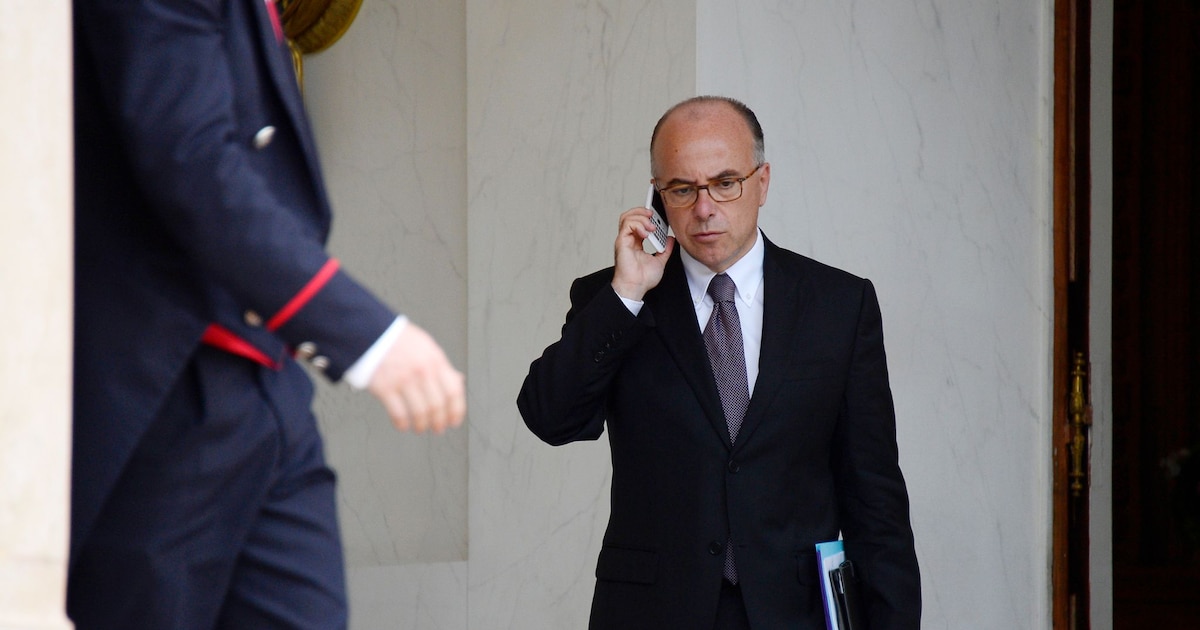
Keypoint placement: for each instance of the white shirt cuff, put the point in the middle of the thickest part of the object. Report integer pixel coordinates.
(359, 375)
(634, 306)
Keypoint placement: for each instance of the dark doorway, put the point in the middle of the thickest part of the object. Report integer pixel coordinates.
(1156, 312)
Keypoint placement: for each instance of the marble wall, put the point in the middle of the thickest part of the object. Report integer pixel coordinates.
(389, 105)
(479, 154)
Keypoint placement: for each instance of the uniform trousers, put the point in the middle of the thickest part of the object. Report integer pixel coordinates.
(224, 516)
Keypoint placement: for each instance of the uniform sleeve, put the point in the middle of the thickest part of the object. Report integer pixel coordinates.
(220, 162)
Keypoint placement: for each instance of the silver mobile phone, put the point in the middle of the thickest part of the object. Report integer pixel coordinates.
(657, 241)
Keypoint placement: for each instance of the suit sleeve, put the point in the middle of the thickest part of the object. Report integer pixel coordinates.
(872, 497)
(173, 77)
(564, 396)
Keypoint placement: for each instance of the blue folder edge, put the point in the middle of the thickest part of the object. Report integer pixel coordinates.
(829, 556)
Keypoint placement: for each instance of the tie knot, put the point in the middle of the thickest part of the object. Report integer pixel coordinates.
(721, 288)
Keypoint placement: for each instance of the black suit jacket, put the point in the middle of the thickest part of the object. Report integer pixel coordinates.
(199, 200)
(816, 453)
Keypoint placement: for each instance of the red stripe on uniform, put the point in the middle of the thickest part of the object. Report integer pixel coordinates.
(224, 339)
(273, 11)
(313, 287)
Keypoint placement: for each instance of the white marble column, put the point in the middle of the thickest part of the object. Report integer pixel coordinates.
(35, 311)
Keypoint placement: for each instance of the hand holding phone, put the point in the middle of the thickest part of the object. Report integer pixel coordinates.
(657, 241)
(639, 255)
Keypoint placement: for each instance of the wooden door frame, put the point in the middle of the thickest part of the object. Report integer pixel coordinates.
(1071, 229)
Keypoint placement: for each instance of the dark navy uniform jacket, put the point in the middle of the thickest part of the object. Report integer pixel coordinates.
(200, 207)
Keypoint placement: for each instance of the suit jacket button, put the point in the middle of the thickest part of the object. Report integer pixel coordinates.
(306, 350)
(716, 548)
(734, 467)
(599, 356)
(252, 319)
(320, 362)
(263, 138)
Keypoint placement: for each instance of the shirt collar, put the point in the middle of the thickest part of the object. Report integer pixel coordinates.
(746, 273)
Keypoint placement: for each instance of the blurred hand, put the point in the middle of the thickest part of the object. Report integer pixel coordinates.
(637, 271)
(418, 386)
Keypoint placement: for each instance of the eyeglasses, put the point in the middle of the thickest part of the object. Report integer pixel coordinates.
(720, 190)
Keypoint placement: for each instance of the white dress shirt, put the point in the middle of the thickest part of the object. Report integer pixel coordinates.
(747, 276)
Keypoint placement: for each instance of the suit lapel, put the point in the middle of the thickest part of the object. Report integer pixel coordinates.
(675, 322)
(786, 299)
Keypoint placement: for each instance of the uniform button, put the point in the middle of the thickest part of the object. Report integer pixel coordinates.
(263, 138)
(252, 319)
(716, 548)
(734, 467)
(599, 356)
(306, 350)
(320, 362)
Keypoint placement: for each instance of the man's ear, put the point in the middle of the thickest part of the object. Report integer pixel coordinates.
(764, 182)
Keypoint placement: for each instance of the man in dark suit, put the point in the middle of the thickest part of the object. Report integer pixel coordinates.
(716, 507)
(200, 495)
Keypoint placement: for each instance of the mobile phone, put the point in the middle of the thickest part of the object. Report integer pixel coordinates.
(657, 241)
